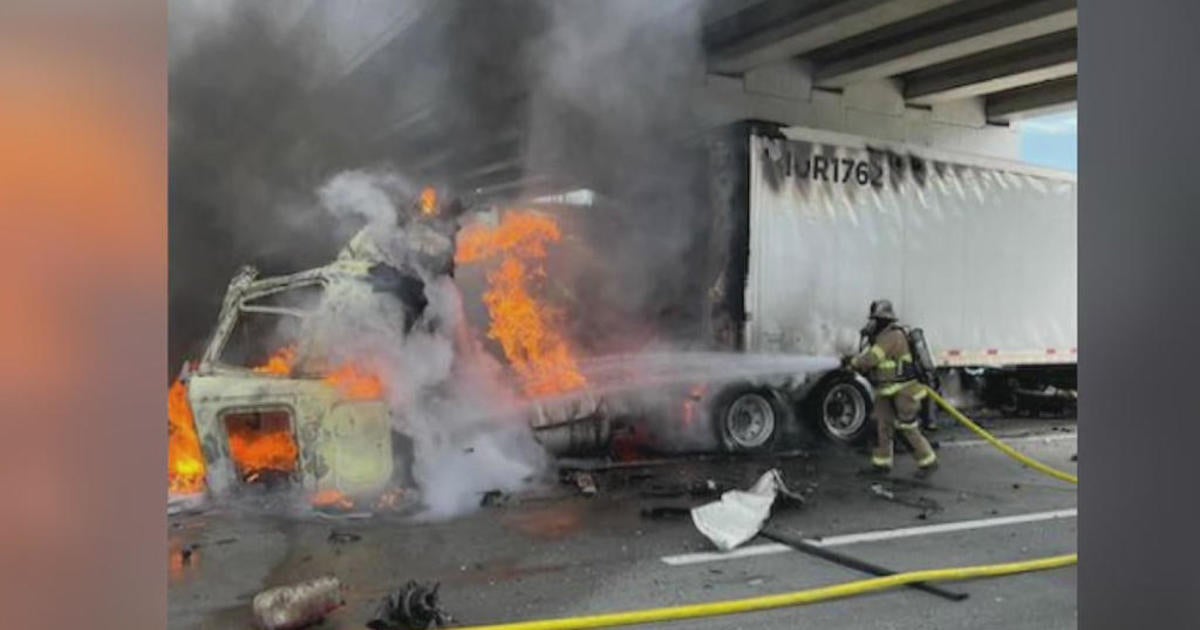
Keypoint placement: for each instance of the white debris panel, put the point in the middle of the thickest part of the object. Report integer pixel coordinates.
(739, 514)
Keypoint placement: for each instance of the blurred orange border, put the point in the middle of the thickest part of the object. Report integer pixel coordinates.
(83, 267)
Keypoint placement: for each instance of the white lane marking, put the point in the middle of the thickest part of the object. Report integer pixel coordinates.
(1013, 440)
(885, 534)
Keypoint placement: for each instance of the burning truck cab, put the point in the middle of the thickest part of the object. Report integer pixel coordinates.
(290, 388)
(267, 406)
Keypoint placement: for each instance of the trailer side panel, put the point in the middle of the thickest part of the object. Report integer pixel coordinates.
(982, 257)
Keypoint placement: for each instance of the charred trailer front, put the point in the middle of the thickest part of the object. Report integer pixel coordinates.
(809, 227)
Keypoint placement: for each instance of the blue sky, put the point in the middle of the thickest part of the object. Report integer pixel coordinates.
(1051, 140)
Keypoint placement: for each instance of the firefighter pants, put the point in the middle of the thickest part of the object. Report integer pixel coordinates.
(898, 412)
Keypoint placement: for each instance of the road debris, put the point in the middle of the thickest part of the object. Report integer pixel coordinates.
(739, 515)
(878, 490)
(586, 483)
(705, 488)
(413, 606)
(926, 505)
(493, 498)
(391, 499)
(297, 605)
(339, 538)
(799, 544)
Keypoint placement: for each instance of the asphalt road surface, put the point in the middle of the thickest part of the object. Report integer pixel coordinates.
(560, 554)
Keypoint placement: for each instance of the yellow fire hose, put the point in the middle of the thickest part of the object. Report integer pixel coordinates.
(1004, 448)
(823, 593)
(797, 598)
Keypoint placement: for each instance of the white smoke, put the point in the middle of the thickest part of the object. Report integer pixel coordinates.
(365, 195)
(444, 393)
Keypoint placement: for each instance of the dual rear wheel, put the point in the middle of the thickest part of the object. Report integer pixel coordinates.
(752, 418)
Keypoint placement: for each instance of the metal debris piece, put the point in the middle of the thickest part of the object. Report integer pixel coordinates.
(925, 504)
(705, 488)
(392, 499)
(586, 484)
(878, 490)
(789, 497)
(337, 537)
(413, 606)
(799, 544)
(493, 498)
(297, 605)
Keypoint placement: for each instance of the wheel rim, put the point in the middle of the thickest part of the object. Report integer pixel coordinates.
(845, 411)
(750, 420)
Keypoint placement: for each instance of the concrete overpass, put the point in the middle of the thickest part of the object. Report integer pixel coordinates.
(1017, 56)
(950, 74)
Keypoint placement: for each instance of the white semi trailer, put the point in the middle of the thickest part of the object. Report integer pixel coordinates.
(811, 226)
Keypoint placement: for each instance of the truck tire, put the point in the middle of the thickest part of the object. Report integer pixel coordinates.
(841, 408)
(750, 419)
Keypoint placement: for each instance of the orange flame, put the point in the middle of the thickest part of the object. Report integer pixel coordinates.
(280, 363)
(355, 384)
(331, 499)
(262, 442)
(527, 330)
(185, 459)
(429, 201)
(352, 381)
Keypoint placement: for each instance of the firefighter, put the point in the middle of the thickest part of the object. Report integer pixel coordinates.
(887, 361)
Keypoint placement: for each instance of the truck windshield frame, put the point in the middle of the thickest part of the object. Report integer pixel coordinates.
(242, 296)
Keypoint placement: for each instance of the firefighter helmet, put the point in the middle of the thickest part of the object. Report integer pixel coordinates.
(882, 310)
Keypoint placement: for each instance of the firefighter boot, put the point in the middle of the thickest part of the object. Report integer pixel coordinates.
(923, 472)
(874, 471)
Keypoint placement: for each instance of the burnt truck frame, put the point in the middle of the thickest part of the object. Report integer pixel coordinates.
(837, 404)
(343, 444)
